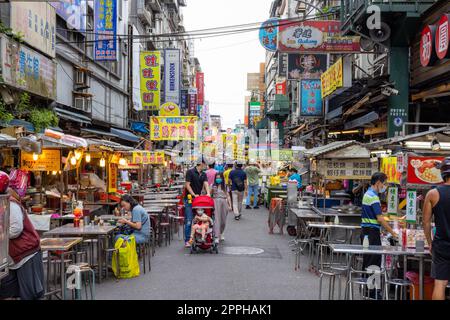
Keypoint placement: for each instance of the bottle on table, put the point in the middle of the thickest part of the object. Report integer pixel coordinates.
(366, 242)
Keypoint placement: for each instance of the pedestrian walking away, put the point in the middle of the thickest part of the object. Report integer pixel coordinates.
(211, 174)
(253, 172)
(222, 205)
(196, 183)
(226, 176)
(437, 204)
(238, 179)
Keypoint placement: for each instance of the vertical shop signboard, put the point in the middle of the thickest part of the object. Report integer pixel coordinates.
(411, 206)
(172, 75)
(200, 84)
(184, 102)
(105, 30)
(192, 102)
(150, 65)
(112, 177)
(311, 98)
(392, 200)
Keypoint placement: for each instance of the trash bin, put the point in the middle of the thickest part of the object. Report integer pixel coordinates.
(428, 286)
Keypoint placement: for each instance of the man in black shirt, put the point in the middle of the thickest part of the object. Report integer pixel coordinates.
(196, 181)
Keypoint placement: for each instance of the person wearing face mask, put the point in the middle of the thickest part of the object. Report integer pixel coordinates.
(372, 217)
(222, 205)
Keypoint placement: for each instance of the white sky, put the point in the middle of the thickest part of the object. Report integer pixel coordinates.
(225, 60)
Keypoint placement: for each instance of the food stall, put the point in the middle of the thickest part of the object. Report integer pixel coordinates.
(331, 165)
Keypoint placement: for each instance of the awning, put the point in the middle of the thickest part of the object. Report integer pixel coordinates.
(22, 123)
(99, 132)
(340, 150)
(7, 139)
(141, 127)
(125, 135)
(105, 144)
(314, 152)
(68, 115)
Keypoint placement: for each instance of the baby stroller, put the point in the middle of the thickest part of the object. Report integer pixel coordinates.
(207, 204)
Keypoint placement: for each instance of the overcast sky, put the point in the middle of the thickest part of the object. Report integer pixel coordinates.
(226, 60)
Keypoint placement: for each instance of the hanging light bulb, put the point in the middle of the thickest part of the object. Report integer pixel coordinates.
(35, 156)
(122, 162)
(102, 162)
(54, 173)
(88, 157)
(73, 161)
(78, 154)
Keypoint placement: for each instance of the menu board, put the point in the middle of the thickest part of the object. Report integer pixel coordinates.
(347, 169)
(48, 160)
(424, 171)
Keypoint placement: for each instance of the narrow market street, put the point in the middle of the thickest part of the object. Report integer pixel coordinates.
(176, 274)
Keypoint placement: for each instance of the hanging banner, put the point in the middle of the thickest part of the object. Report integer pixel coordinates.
(150, 65)
(173, 128)
(310, 98)
(306, 66)
(280, 88)
(147, 157)
(392, 200)
(184, 102)
(48, 160)
(389, 167)
(73, 12)
(315, 36)
(112, 177)
(200, 85)
(169, 109)
(105, 30)
(332, 78)
(192, 102)
(137, 96)
(268, 34)
(172, 75)
(423, 170)
(411, 206)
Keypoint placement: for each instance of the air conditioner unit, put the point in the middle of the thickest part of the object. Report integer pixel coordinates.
(80, 77)
(150, 30)
(83, 104)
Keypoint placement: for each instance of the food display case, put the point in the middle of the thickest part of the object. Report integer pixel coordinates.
(4, 235)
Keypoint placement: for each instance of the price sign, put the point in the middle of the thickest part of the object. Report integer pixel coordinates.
(411, 206)
(392, 200)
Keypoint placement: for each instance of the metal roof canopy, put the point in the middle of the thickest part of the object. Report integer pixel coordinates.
(108, 145)
(68, 115)
(6, 139)
(339, 150)
(442, 134)
(99, 132)
(125, 135)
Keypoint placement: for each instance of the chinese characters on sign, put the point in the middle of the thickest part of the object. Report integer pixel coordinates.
(424, 170)
(310, 98)
(150, 68)
(347, 169)
(173, 128)
(333, 78)
(105, 30)
(411, 209)
(48, 160)
(200, 85)
(392, 200)
(112, 177)
(147, 157)
(172, 72)
(192, 102)
(306, 66)
(268, 34)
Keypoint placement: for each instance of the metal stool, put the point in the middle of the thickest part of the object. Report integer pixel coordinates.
(361, 281)
(300, 246)
(401, 283)
(111, 251)
(87, 279)
(164, 228)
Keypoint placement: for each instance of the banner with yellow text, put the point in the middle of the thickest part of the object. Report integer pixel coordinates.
(150, 73)
(173, 128)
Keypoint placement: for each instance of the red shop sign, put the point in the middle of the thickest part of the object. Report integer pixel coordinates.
(423, 170)
(281, 88)
(442, 37)
(427, 53)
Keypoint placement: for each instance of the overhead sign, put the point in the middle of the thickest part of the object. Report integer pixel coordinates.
(192, 102)
(332, 78)
(150, 67)
(148, 157)
(36, 21)
(268, 34)
(310, 98)
(26, 69)
(169, 109)
(48, 160)
(442, 37)
(424, 171)
(280, 88)
(172, 74)
(358, 169)
(434, 41)
(173, 128)
(282, 64)
(105, 30)
(306, 66)
(200, 85)
(315, 36)
(184, 102)
(427, 52)
(73, 12)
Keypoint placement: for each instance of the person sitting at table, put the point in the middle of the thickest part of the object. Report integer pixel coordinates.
(139, 223)
(25, 279)
(372, 219)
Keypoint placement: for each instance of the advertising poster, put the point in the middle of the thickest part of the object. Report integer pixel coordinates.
(48, 160)
(105, 30)
(25, 68)
(314, 36)
(173, 128)
(389, 166)
(423, 170)
(37, 22)
(268, 34)
(200, 85)
(172, 74)
(73, 12)
(169, 109)
(150, 67)
(306, 66)
(310, 98)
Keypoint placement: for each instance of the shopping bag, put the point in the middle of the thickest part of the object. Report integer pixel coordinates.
(128, 258)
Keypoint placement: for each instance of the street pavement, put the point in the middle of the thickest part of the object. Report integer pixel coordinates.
(176, 274)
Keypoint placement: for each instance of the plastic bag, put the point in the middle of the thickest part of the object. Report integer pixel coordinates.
(128, 258)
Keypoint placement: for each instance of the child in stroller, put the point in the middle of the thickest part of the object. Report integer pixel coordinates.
(202, 233)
